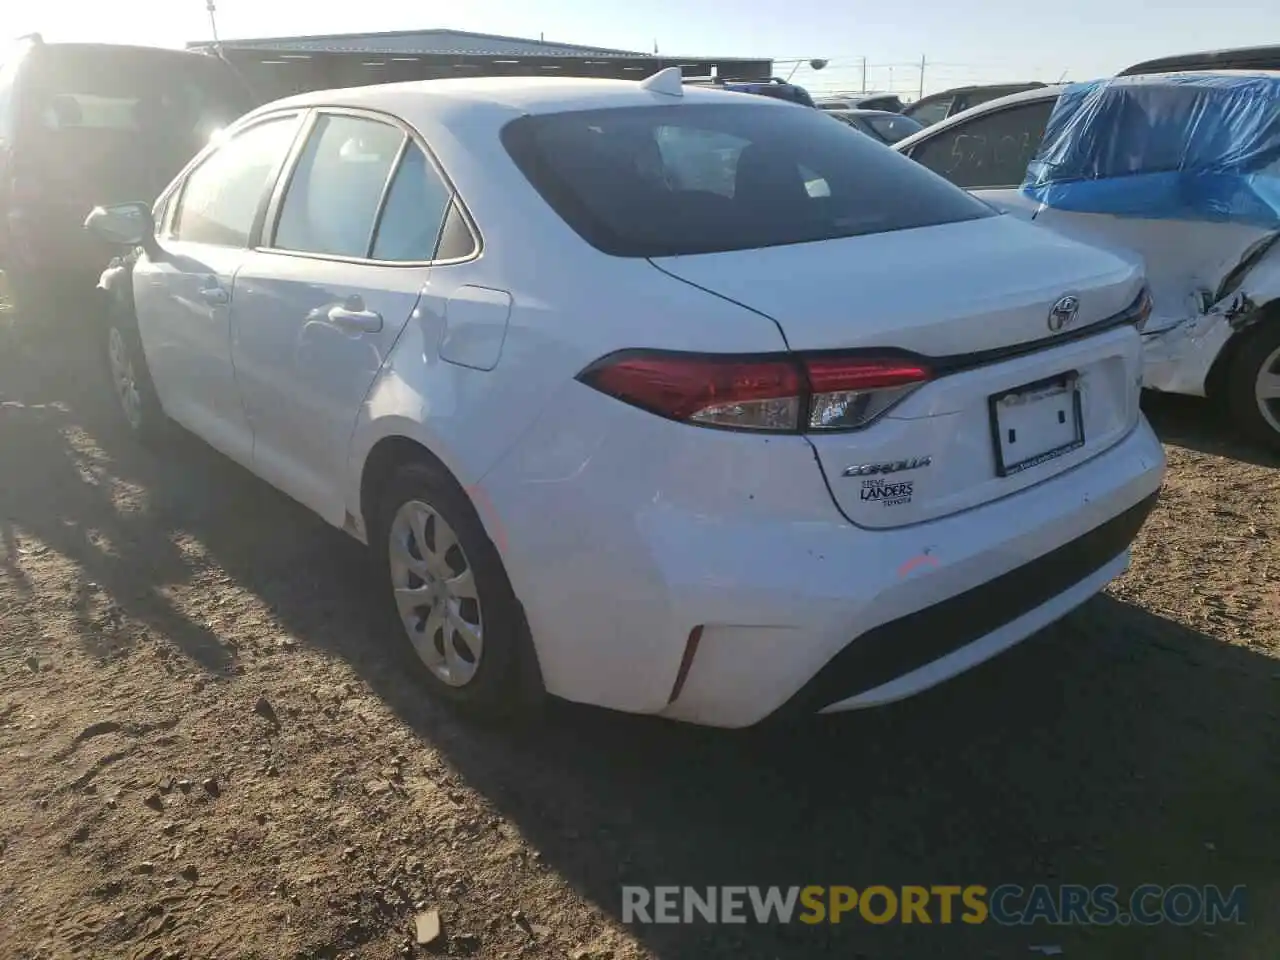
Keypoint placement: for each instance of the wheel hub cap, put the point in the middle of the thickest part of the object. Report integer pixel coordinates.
(435, 592)
(1267, 389)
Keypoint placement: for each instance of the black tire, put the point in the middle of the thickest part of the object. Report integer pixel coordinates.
(1258, 350)
(506, 683)
(146, 420)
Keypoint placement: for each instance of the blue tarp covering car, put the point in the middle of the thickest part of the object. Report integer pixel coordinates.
(1177, 147)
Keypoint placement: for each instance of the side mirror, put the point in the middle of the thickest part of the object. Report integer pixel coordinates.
(126, 224)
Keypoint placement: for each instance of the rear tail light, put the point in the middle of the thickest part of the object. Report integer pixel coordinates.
(776, 393)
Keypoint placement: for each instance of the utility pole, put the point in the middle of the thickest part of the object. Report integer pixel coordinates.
(863, 88)
(922, 76)
(213, 19)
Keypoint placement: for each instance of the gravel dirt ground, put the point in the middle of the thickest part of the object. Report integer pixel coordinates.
(209, 749)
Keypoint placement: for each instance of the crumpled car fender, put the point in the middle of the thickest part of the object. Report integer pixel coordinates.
(1184, 358)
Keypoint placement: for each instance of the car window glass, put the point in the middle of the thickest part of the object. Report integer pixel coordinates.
(220, 198)
(694, 159)
(988, 151)
(332, 200)
(697, 178)
(892, 128)
(893, 104)
(456, 241)
(416, 203)
(122, 121)
(931, 112)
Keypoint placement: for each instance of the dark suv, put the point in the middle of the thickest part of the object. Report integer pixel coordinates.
(85, 124)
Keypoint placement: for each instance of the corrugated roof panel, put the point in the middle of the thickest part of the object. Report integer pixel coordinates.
(424, 42)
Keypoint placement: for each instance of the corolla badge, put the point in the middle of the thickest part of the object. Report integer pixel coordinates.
(891, 466)
(1063, 313)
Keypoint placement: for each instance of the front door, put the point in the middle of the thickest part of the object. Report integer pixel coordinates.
(184, 297)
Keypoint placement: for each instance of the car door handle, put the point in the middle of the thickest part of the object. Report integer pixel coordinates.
(363, 320)
(214, 294)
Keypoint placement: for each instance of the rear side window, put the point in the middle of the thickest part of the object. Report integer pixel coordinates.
(989, 151)
(699, 178)
(332, 201)
(221, 197)
(409, 229)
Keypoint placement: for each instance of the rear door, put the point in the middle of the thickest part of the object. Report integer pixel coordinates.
(320, 304)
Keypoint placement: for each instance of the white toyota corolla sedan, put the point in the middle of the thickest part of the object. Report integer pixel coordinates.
(670, 400)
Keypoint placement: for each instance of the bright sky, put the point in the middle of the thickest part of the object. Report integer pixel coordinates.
(981, 41)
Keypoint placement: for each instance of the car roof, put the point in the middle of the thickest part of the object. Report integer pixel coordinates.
(1237, 58)
(859, 112)
(855, 97)
(1014, 86)
(511, 95)
(122, 48)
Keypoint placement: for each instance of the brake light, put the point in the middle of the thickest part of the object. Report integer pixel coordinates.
(776, 393)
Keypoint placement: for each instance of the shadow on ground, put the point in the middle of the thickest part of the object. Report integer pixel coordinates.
(1198, 424)
(1116, 747)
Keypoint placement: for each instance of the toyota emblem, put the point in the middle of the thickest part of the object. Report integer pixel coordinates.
(1063, 314)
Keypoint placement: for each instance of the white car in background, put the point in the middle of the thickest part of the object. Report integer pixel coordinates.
(630, 425)
(1215, 274)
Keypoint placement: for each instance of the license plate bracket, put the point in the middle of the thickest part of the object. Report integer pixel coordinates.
(1036, 422)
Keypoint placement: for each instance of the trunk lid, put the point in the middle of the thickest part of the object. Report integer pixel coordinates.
(954, 288)
(972, 434)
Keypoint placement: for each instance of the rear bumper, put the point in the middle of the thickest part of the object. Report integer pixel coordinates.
(923, 604)
(913, 652)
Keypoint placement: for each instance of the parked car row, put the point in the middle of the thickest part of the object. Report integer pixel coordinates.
(580, 361)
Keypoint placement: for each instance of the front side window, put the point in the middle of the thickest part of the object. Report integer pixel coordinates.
(221, 197)
(695, 178)
(331, 204)
(990, 151)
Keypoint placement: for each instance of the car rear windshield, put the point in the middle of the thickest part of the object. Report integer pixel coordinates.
(701, 178)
